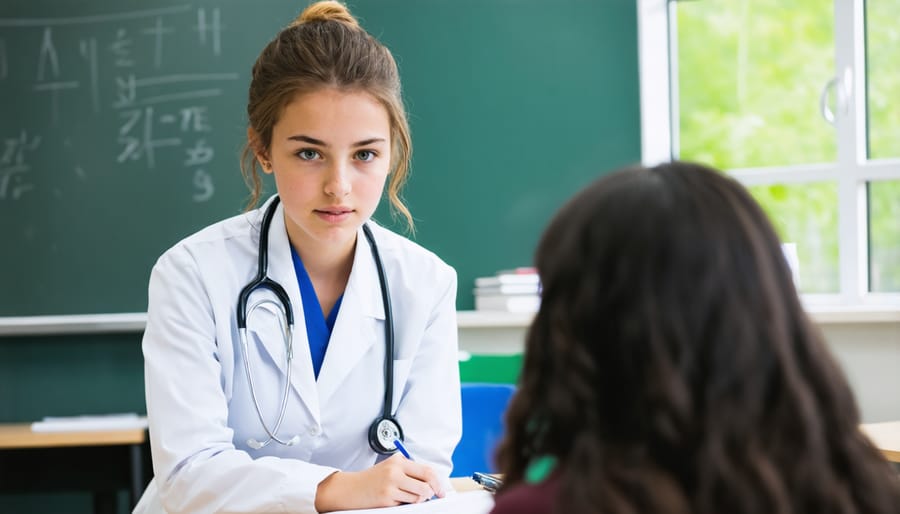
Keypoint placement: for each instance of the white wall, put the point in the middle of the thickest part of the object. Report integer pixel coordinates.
(870, 357)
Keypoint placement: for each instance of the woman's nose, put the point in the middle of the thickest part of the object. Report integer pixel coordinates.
(338, 182)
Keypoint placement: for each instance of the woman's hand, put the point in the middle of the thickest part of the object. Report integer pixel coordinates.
(393, 481)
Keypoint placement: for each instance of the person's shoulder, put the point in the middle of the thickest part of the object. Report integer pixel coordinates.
(541, 498)
(408, 254)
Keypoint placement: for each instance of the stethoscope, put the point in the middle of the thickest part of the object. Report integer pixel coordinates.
(384, 430)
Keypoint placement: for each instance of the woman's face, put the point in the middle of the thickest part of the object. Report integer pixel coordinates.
(330, 154)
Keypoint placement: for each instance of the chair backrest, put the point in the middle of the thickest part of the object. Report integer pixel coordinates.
(483, 407)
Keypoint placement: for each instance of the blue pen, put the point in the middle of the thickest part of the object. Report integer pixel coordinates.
(402, 449)
(399, 446)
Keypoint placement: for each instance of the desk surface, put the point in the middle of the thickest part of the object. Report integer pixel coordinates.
(20, 435)
(463, 484)
(886, 437)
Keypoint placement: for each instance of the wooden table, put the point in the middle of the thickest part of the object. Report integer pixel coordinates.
(88, 460)
(886, 437)
(463, 484)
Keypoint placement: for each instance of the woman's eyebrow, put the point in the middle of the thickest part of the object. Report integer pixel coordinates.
(319, 142)
(311, 140)
(365, 142)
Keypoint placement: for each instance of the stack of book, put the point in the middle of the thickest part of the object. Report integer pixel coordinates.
(517, 290)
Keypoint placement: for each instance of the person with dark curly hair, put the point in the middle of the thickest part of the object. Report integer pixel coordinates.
(672, 368)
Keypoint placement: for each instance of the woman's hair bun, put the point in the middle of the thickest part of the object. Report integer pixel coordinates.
(327, 10)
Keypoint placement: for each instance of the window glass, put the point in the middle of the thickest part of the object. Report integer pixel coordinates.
(749, 75)
(883, 68)
(884, 236)
(806, 215)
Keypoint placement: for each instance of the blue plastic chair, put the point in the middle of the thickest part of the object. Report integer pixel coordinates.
(483, 407)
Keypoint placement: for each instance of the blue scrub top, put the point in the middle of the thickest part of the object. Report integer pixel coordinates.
(318, 327)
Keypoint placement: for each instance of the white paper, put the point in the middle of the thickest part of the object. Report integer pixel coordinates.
(90, 423)
(470, 502)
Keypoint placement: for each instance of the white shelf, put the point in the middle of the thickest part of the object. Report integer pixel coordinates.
(136, 321)
(73, 324)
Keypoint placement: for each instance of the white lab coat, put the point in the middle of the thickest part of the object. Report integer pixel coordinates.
(198, 401)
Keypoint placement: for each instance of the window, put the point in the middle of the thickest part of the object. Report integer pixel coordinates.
(797, 100)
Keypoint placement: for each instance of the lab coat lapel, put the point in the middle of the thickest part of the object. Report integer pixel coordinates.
(359, 323)
(281, 270)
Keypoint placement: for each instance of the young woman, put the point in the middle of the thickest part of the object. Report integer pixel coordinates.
(672, 369)
(289, 351)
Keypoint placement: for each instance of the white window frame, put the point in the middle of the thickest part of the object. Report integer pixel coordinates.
(851, 171)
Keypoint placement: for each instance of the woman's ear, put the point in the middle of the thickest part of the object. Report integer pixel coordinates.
(259, 151)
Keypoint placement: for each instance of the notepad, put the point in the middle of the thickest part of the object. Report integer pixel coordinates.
(90, 423)
(471, 502)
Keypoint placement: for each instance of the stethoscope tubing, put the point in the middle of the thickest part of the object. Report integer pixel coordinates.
(387, 406)
(286, 319)
(261, 280)
(273, 433)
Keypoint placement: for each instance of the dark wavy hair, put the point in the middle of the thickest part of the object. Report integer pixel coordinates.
(672, 369)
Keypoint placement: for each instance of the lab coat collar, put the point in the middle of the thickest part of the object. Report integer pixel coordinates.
(360, 321)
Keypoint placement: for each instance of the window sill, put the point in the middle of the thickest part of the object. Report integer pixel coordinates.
(822, 315)
(838, 314)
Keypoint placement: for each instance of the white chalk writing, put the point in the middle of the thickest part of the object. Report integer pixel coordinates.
(4, 66)
(14, 165)
(215, 29)
(118, 74)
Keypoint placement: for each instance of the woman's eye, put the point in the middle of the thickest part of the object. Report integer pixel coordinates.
(365, 155)
(308, 155)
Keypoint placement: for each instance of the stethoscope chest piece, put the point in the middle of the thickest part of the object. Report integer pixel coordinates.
(382, 434)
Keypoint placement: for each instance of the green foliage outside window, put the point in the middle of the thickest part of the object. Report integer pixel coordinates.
(883, 67)
(750, 73)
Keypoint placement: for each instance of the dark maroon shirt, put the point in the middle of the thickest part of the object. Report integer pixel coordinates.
(529, 498)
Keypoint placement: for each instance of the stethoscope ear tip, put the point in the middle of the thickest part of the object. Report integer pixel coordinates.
(294, 440)
(253, 443)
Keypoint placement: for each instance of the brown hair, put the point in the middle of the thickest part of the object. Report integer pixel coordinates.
(325, 48)
(671, 367)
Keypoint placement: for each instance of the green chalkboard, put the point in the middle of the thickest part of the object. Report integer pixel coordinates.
(122, 122)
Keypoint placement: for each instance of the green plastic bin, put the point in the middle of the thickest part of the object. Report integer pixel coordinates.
(489, 369)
